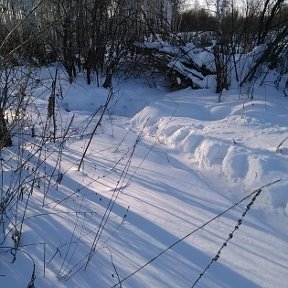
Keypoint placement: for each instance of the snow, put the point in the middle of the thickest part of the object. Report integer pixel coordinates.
(160, 166)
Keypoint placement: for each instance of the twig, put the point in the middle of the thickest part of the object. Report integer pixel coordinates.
(96, 127)
(195, 230)
(20, 23)
(281, 143)
(239, 222)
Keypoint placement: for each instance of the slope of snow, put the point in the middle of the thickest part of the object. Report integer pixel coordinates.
(160, 166)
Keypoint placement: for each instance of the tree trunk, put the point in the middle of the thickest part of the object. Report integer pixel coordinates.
(5, 137)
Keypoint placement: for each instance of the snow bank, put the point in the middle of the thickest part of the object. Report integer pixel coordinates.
(235, 139)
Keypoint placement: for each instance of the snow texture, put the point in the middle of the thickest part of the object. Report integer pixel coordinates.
(171, 161)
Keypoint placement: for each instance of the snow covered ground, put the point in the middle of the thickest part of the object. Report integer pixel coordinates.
(142, 210)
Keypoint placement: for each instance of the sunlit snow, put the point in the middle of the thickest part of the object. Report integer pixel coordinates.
(163, 163)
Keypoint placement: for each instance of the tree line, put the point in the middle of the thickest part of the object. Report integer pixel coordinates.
(87, 35)
(94, 36)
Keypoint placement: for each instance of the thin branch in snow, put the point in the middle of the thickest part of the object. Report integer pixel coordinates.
(196, 230)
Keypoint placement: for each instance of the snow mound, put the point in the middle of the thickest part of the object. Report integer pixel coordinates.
(276, 197)
(235, 164)
(235, 139)
(210, 153)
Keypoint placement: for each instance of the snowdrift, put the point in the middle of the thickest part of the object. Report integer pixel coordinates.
(142, 210)
(236, 139)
